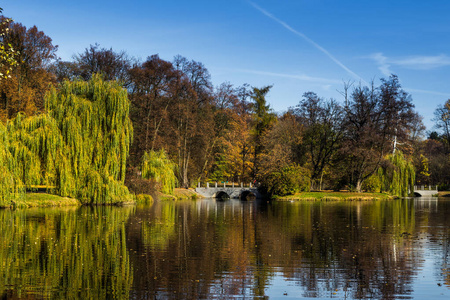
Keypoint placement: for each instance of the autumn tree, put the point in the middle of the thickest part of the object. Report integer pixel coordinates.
(438, 162)
(231, 143)
(7, 53)
(172, 109)
(25, 90)
(64, 70)
(190, 119)
(111, 64)
(198, 76)
(442, 122)
(233, 119)
(434, 162)
(224, 100)
(323, 132)
(423, 174)
(284, 143)
(152, 92)
(281, 164)
(375, 117)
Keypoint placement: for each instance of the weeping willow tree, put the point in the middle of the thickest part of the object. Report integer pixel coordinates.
(93, 120)
(78, 147)
(11, 187)
(397, 175)
(157, 166)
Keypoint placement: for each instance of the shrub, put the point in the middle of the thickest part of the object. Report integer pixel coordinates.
(286, 181)
(137, 185)
(144, 199)
(443, 187)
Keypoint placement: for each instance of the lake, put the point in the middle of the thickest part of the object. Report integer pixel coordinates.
(209, 249)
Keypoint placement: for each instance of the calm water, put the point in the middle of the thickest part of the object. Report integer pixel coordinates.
(208, 249)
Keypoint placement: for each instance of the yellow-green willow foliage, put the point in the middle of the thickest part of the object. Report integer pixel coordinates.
(398, 175)
(11, 186)
(157, 166)
(158, 233)
(65, 253)
(93, 119)
(78, 147)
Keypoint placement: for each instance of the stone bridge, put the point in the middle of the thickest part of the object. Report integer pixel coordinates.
(228, 192)
(425, 191)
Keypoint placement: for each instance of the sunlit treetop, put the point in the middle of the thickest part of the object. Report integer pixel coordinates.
(7, 53)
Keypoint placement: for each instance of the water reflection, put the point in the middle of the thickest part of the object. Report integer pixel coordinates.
(208, 249)
(64, 253)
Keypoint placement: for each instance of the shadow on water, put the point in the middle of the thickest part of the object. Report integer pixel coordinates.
(222, 196)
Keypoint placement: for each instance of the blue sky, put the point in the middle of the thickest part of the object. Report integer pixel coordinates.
(296, 45)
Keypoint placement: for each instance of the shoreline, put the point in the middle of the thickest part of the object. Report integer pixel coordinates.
(335, 196)
(49, 200)
(31, 200)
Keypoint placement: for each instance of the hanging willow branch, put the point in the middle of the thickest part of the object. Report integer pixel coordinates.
(398, 176)
(79, 146)
(157, 166)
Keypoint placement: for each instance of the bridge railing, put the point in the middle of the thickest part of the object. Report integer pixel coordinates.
(226, 185)
(425, 187)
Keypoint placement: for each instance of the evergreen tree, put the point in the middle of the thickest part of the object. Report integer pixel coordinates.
(263, 119)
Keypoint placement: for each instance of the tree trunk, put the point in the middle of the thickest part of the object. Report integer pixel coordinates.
(312, 185)
(359, 185)
(321, 180)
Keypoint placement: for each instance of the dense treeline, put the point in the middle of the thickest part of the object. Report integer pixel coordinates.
(196, 132)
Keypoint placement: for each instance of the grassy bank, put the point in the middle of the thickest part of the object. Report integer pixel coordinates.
(334, 196)
(444, 194)
(180, 194)
(49, 200)
(44, 200)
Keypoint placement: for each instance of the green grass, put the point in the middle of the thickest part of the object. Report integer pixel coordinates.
(179, 194)
(44, 200)
(334, 196)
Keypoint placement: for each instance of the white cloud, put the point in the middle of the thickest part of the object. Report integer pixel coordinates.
(383, 64)
(418, 62)
(424, 62)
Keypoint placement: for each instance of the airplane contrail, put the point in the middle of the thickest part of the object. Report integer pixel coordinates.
(427, 92)
(303, 36)
(291, 76)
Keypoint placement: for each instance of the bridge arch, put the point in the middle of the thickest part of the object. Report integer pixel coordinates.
(222, 195)
(246, 194)
(228, 192)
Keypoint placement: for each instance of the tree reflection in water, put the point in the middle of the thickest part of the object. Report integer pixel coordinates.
(64, 253)
(352, 249)
(209, 249)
